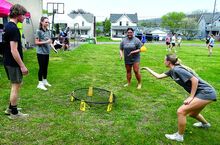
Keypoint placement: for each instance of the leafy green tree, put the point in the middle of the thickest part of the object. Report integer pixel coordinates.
(79, 11)
(189, 27)
(144, 24)
(99, 23)
(107, 26)
(149, 24)
(57, 28)
(46, 12)
(98, 31)
(173, 20)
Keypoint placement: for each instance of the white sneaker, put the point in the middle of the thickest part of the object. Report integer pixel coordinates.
(176, 136)
(139, 86)
(202, 125)
(19, 115)
(41, 86)
(45, 82)
(126, 85)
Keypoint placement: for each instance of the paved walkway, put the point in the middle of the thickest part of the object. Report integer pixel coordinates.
(155, 43)
(161, 43)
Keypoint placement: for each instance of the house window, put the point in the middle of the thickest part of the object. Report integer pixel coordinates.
(127, 23)
(82, 23)
(86, 32)
(120, 24)
(116, 32)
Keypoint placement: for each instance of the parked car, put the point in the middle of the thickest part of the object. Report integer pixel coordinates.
(149, 37)
(156, 37)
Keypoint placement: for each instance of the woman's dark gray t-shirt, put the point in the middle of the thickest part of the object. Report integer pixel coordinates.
(128, 45)
(182, 77)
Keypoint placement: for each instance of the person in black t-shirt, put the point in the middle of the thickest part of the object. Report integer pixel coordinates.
(200, 94)
(13, 58)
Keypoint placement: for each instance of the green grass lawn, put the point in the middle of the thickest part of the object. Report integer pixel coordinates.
(197, 42)
(139, 117)
(105, 39)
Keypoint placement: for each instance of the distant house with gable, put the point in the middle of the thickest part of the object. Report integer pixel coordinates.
(205, 24)
(215, 28)
(83, 24)
(120, 23)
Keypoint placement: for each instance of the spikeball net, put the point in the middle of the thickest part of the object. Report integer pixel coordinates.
(93, 96)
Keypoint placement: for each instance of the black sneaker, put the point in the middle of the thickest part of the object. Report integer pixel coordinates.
(8, 111)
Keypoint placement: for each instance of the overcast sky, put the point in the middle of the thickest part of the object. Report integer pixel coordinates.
(144, 8)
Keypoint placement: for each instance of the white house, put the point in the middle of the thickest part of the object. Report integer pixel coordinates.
(215, 28)
(83, 25)
(205, 24)
(120, 23)
(61, 19)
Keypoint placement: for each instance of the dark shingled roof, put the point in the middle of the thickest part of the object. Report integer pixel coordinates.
(208, 17)
(114, 17)
(88, 17)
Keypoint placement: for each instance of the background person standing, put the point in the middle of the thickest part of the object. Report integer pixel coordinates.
(167, 39)
(173, 42)
(179, 40)
(211, 44)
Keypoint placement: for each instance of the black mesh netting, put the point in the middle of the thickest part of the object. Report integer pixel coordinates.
(93, 95)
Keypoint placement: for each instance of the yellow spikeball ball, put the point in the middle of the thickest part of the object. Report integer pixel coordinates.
(143, 48)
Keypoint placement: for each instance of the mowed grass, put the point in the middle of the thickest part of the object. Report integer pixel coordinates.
(140, 117)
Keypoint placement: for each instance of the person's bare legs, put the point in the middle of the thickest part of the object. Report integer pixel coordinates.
(195, 106)
(210, 50)
(137, 74)
(14, 93)
(128, 74)
(196, 114)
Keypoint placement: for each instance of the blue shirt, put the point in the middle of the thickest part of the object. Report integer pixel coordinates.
(211, 41)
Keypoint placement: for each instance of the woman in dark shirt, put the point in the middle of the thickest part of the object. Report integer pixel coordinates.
(200, 94)
(130, 49)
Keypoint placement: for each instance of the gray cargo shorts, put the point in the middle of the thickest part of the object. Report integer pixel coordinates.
(207, 95)
(14, 74)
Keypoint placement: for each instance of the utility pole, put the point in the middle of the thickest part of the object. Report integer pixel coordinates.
(213, 14)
